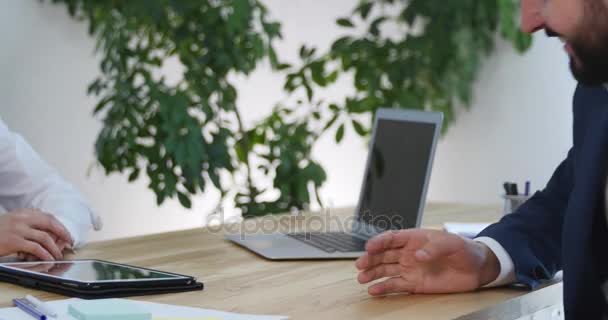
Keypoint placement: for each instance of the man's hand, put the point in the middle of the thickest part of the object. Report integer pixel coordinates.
(425, 261)
(33, 233)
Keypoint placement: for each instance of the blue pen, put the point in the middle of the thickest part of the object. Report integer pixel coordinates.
(527, 188)
(29, 308)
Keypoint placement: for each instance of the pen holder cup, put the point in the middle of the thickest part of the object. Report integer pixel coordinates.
(513, 202)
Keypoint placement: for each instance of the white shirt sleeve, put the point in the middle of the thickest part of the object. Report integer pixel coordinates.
(507, 268)
(26, 181)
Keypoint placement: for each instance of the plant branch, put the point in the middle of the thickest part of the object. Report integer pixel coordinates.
(246, 148)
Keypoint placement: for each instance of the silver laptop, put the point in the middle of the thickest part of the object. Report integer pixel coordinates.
(392, 196)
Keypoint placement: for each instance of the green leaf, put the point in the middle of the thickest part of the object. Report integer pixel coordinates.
(523, 42)
(95, 87)
(133, 176)
(102, 104)
(241, 153)
(191, 185)
(332, 77)
(302, 194)
(341, 44)
(274, 61)
(317, 70)
(345, 22)
(306, 53)
(316, 173)
(374, 27)
(359, 128)
(184, 200)
(340, 133)
(272, 29)
(215, 178)
(331, 122)
(364, 9)
(309, 91)
(160, 198)
(283, 66)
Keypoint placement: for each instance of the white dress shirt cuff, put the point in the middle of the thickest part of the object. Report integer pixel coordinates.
(507, 268)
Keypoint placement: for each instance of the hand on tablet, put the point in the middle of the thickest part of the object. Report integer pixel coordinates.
(425, 261)
(34, 233)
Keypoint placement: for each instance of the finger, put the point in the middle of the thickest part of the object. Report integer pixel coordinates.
(46, 241)
(61, 245)
(439, 247)
(378, 272)
(388, 240)
(65, 246)
(371, 260)
(391, 285)
(35, 249)
(47, 222)
(29, 258)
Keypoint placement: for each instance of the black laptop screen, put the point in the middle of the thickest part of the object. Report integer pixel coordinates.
(394, 181)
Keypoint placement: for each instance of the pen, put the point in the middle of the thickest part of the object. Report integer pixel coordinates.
(27, 307)
(45, 308)
(515, 191)
(507, 187)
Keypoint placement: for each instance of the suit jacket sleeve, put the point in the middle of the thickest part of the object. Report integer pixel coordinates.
(533, 234)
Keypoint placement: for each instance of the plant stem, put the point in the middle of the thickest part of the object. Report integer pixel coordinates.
(252, 191)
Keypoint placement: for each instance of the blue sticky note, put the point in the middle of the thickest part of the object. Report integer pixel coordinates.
(108, 309)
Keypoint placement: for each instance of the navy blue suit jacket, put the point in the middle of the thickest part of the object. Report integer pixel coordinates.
(564, 225)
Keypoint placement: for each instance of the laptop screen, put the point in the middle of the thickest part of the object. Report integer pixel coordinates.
(394, 181)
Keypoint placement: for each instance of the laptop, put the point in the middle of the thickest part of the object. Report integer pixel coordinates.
(392, 196)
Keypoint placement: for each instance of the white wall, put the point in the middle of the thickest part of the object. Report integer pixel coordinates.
(518, 128)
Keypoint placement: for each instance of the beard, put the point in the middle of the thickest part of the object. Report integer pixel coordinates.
(590, 66)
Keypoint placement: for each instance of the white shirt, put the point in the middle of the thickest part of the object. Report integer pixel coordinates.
(507, 268)
(26, 181)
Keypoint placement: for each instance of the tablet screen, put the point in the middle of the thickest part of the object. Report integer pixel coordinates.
(90, 271)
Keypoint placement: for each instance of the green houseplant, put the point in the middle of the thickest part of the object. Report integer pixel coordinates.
(188, 136)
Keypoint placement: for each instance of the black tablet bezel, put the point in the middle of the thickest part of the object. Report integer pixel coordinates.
(25, 277)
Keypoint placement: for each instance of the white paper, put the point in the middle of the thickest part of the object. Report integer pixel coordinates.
(469, 230)
(157, 310)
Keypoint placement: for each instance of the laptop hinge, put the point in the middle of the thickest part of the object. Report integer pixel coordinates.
(364, 230)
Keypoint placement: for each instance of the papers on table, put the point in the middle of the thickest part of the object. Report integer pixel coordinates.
(159, 312)
(469, 230)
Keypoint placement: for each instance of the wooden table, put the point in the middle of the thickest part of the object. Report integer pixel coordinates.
(240, 281)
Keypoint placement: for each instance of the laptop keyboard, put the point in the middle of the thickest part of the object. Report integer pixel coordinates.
(331, 241)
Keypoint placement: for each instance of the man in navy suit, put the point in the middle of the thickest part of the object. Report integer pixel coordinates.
(564, 227)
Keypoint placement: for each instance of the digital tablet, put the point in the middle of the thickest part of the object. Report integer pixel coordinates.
(94, 277)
